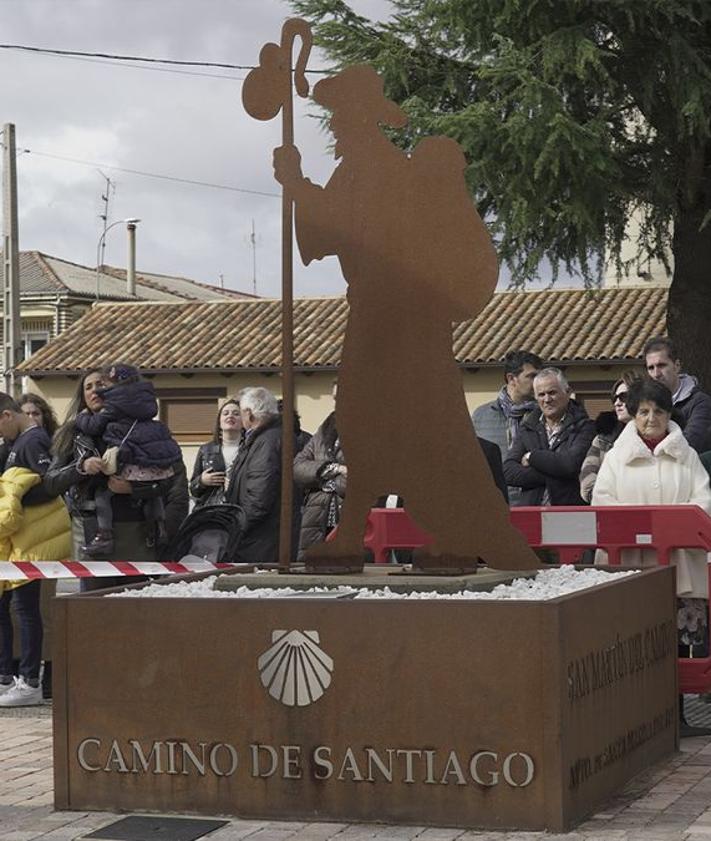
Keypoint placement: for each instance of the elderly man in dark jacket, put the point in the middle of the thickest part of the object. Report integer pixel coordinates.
(553, 440)
(255, 485)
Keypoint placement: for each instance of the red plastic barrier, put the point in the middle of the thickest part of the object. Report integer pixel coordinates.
(392, 528)
(570, 531)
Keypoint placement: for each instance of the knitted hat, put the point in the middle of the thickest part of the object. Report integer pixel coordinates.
(121, 371)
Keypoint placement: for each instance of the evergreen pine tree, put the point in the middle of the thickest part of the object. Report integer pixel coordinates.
(574, 115)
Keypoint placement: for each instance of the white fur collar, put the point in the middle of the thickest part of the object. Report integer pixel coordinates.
(632, 446)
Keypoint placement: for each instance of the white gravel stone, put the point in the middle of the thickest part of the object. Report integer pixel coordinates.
(547, 584)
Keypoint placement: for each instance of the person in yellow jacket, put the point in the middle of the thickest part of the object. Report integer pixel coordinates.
(33, 526)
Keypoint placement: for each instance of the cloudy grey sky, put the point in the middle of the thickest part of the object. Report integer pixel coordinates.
(171, 123)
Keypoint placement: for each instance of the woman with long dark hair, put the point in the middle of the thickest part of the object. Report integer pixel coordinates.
(75, 464)
(216, 458)
(38, 410)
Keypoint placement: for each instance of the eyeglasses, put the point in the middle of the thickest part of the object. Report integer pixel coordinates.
(621, 396)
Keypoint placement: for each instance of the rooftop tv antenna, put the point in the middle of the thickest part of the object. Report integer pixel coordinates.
(109, 189)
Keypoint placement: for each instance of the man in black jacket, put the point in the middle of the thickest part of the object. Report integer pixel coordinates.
(692, 407)
(553, 440)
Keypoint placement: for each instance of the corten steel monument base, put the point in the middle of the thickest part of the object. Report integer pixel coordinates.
(523, 715)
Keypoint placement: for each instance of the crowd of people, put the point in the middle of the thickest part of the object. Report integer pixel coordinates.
(652, 448)
(110, 482)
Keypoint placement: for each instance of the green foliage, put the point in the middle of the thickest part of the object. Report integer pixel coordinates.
(573, 114)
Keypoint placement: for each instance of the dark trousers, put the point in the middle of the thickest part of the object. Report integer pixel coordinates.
(26, 601)
(104, 511)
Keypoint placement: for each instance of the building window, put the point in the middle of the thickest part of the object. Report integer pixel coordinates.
(32, 342)
(594, 396)
(190, 413)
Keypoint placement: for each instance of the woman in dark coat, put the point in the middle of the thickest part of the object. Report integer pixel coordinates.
(135, 446)
(216, 459)
(75, 463)
(320, 470)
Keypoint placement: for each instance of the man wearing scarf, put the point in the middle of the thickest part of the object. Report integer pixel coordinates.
(499, 420)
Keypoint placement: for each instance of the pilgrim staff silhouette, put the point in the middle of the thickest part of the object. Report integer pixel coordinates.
(266, 92)
(416, 257)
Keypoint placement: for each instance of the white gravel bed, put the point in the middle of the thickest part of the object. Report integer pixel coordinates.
(547, 584)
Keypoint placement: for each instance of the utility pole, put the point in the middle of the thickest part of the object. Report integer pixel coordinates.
(12, 331)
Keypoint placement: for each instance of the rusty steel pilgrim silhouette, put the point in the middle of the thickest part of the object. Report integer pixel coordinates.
(416, 257)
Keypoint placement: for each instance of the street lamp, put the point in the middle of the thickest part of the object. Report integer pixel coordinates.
(130, 221)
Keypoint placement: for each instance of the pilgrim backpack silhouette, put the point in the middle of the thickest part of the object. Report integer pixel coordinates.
(416, 257)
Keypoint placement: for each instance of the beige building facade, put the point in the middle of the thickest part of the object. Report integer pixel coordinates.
(189, 405)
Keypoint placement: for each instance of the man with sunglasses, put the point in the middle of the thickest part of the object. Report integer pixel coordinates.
(692, 407)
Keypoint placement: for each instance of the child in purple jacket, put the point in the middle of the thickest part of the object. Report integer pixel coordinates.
(136, 447)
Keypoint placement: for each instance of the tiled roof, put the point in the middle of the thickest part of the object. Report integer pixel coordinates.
(563, 326)
(178, 287)
(41, 273)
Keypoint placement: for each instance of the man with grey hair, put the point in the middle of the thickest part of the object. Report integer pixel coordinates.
(255, 485)
(553, 439)
(260, 404)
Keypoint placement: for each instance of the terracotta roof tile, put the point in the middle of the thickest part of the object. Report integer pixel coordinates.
(562, 326)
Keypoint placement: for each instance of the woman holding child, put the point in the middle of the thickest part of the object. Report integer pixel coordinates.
(78, 472)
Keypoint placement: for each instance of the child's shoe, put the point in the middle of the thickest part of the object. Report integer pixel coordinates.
(102, 544)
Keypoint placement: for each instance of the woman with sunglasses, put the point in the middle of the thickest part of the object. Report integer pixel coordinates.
(608, 426)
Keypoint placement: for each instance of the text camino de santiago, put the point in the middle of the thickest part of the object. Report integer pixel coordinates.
(485, 767)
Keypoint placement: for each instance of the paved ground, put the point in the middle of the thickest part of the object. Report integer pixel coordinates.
(669, 802)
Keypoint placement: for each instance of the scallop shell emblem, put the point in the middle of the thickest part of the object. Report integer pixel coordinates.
(294, 669)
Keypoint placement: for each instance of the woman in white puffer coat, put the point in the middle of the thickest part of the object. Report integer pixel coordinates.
(651, 463)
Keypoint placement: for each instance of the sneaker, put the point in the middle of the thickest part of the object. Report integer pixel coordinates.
(22, 695)
(6, 687)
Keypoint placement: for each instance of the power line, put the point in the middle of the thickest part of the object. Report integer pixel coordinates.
(160, 176)
(75, 53)
(154, 69)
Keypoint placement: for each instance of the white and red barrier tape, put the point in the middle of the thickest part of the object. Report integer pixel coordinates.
(28, 570)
